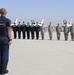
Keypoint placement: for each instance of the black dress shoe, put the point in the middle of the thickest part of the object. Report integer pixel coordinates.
(4, 72)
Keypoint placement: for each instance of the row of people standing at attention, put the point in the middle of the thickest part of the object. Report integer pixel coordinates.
(26, 29)
(66, 31)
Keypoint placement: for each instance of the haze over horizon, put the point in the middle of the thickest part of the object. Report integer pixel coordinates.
(27, 10)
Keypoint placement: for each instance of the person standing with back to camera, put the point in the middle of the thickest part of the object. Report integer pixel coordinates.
(5, 41)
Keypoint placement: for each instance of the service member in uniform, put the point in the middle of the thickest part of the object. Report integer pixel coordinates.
(58, 31)
(42, 31)
(19, 30)
(50, 30)
(37, 29)
(72, 32)
(14, 27)
(23, 29)
(28, 30)
(5, 41)
(32, 28)
(66, 31)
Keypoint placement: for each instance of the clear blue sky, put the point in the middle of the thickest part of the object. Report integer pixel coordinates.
(51, 10)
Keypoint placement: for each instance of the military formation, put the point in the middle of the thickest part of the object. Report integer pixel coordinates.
(26, 30)
(32, 31)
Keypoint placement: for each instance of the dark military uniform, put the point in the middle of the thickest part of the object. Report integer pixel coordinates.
(4, 44)
(23, 29)
(72, 32)
(58, 31)
(28, 31)
(66, 31)
(14, 27)
(19, 31)
(32, 28)
(37, 29)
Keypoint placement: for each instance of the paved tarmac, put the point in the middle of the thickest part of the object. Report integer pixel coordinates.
(41, 57)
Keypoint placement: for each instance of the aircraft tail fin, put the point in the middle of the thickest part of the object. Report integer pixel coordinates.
(42, 21)
(70, 21)
(15, 21)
